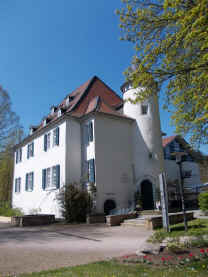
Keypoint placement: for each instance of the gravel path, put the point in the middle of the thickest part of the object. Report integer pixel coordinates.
(32, 249)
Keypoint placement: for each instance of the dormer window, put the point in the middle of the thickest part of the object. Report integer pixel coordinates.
(59, 112)
(44, 122)
(53, 109)
(32, 129)
(68, 100)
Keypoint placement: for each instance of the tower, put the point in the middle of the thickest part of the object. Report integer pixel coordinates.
(148, 160)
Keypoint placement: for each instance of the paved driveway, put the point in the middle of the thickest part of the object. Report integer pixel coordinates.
(31, 249)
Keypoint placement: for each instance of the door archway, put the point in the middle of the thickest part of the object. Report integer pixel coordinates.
(109, 205)
(147, 195)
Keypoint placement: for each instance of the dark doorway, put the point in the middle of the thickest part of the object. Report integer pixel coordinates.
(147, 195)
(109, 205)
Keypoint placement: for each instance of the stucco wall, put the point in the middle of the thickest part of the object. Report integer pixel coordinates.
(73, 151)
(147, 142)
(113, 159)
(38, 199)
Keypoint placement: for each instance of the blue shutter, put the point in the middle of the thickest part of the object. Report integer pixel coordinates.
(19, 184)
(43, 179)
(57, 136)
(58, 176)
(45, 143)
(32, 149)
(15, 187)
(32, 173)
(16, 156)
(28, 151)
(90, 130)
(20, 154)
(26, 182)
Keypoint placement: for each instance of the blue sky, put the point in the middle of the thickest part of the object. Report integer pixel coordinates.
(50, 47)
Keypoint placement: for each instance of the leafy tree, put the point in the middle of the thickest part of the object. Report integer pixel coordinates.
(171, 42)
(10, 133)
(10, 129)
(6, 175)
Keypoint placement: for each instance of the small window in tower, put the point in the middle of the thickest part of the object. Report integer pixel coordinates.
(144, 109)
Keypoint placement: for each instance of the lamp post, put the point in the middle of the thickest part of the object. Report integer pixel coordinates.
(179, 156)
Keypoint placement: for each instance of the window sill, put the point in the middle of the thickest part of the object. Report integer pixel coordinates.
(50, 188)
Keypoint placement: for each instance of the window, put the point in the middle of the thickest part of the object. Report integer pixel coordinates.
(48, 177)
(51, 177)
(59, 112)
(91, 171)
(47, 141)
(19, 155)
(17, 185)
(144, 109)
(88, 132)
(30, 150)
(187, 174)
(29, 181)
(56, 136)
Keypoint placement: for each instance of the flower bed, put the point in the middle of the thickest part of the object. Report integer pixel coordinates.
(167, 258)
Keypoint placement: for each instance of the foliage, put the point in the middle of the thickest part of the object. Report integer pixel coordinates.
(10, 129)
(197, 228)
(6, 210)
(171, 42)
(6, 175)
(10, 133)
(75, 203)
(203, 201)
(114, 269)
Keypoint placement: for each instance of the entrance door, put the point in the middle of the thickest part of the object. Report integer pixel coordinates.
(108, 206)
(147, 195)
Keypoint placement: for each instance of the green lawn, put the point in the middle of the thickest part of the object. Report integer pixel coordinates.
(197, 227)
(114, 269)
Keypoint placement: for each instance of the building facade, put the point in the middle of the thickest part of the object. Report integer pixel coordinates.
(94, 136)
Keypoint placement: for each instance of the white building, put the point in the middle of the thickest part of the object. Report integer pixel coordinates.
(94, 133)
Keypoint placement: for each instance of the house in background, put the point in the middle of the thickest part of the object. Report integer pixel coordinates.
(94, 133)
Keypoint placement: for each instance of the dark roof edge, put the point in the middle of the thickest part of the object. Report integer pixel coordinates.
(43, 129)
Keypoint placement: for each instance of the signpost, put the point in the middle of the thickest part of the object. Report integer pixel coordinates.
(164, 201)
(179, 156)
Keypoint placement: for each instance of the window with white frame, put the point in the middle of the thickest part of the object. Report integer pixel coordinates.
(51, 177)
(19, 155)
(30, 150)
(29, 181)
(17, 187)
(88, 132)
(48, 177)
(91, 171)
(56, 136)
(47, 141)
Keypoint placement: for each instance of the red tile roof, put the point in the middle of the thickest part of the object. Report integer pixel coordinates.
(99, 105)
(167, 140)
(83, 99)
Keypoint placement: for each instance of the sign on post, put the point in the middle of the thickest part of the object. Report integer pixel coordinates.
(164, 201)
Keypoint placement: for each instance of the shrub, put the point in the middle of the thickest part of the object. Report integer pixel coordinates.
(203, 201)
(6, 210)
(75, 203)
